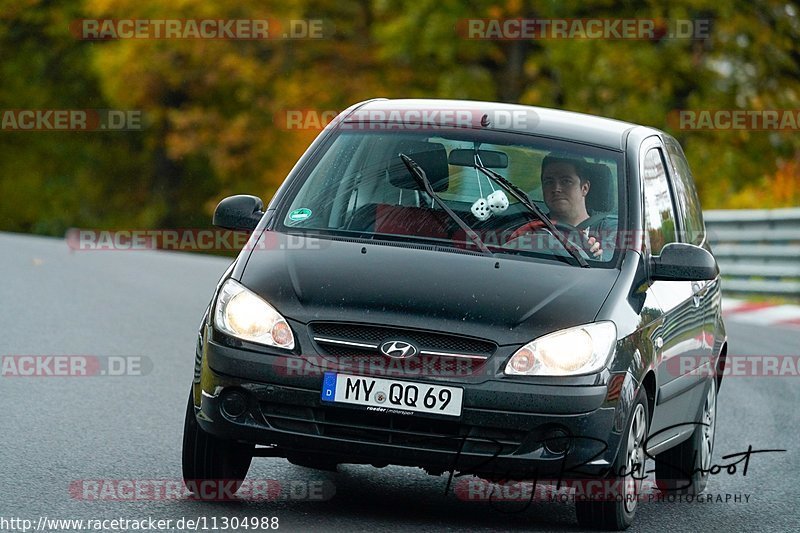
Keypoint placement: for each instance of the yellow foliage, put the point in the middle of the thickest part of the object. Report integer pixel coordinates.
(782, 189)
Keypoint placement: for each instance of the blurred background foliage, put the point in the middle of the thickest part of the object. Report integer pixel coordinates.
(212, 108)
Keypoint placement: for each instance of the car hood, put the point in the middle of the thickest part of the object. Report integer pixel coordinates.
(508, 300)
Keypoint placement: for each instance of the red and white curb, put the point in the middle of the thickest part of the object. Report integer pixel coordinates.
(761, 313)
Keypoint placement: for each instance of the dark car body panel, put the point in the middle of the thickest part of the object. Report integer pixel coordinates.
(447, 291)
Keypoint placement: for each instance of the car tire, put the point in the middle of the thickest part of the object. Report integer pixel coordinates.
(617, 513)
(208, 458)
(677, 469)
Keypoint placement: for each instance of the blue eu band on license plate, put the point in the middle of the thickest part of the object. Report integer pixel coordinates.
(387, 395)
(329, 386)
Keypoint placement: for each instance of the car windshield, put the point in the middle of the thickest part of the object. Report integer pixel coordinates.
(358, 186)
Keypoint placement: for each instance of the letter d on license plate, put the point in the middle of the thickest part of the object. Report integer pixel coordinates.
(392, 394)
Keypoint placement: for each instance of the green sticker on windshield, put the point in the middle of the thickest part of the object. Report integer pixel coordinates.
(299, 215)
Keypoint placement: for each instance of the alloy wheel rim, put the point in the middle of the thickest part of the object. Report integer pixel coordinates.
(709, 421)
(634, 456)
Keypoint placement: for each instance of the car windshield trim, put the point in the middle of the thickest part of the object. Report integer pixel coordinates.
(420, 242)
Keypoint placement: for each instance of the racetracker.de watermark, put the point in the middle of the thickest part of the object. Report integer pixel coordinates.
(378, 365)
(746, 366)
(185, 240)
(414, 119)
(71, 120)
(211, 29)
(135, 490)
(637, 29)
(735, 119)
(71, 366)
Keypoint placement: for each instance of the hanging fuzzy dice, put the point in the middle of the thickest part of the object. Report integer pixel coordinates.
(498, 202)
(481, 209)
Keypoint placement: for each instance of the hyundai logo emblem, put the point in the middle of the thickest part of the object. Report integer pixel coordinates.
(398, 349)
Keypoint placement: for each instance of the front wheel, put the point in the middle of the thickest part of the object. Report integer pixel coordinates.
(211, 464)
(616, 512)
(684, 468)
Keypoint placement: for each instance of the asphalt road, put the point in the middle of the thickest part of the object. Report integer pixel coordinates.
(57, 431)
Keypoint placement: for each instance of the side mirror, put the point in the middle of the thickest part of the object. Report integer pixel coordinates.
(240, 212)
(683, 262)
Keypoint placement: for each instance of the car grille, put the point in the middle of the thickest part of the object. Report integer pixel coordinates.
(400, 430)
(338, 339)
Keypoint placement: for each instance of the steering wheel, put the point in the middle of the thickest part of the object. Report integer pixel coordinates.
(567, 230)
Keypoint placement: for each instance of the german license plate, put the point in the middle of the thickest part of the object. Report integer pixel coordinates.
(391, 395)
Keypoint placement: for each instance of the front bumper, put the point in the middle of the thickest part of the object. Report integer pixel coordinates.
(510, 429)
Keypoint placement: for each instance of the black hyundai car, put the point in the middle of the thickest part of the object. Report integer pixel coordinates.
(475, 288)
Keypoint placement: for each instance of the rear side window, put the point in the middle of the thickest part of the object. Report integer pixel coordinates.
(687, 195)
(659, 212)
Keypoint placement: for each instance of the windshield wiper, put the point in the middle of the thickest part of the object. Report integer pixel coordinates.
(526, 201)
(423, 180)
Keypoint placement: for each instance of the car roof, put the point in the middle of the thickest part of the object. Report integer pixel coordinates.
(568, 125)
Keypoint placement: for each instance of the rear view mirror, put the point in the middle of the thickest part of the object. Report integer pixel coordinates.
(683, 262)
(489, 158)
(240, 212)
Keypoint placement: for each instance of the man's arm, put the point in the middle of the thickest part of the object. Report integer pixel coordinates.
(602, 238)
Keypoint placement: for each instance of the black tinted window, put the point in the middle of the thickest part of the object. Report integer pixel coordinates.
(687, 195)
(359, 187)
(659, 210)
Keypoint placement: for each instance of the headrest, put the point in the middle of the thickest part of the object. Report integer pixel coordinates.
(432, 157)
(601, 193)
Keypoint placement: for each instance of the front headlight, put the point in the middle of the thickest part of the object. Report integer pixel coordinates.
(242, 314)
(579, 350)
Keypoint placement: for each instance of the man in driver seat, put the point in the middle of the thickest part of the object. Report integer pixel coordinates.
(566, 183)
